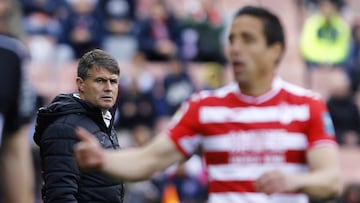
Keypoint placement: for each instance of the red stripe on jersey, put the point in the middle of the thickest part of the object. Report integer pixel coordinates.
(231, 186)
(215, 129)
(216, 157)
(291, 156)
(295, 156)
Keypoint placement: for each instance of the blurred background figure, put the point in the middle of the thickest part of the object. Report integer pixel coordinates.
(136, 105)
(343, 109)
(11, 16)
(204, 27)
(351, 194)
(42, 23)
(159, 33)
(119, 18)
(43, 17)
(353, 62)
(17, 110)
(84, 29)
(324, 43)
(188, 179)
(178, 85)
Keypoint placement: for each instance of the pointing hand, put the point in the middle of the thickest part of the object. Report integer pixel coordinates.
(88, 152)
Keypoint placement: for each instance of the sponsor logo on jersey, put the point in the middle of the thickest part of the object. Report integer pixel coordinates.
(328, 124)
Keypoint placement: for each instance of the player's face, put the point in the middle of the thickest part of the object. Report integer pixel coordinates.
(252, 59)
(100, 88)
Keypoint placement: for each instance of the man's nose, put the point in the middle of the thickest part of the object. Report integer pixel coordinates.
(236, 47)
(108, 85)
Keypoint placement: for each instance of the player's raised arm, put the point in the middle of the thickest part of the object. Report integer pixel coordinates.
(131, 164)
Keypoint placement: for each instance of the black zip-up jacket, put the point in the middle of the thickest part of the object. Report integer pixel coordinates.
(54, 134)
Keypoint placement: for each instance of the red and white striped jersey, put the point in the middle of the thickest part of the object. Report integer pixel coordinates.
(242, 137)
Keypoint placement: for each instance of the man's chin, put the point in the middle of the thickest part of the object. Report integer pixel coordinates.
(241, 80)
(106, 106)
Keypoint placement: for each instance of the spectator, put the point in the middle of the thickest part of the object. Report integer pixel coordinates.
(119, 15)
(204, 29)
(351, 193)
(140, 73)
(187, 178)
(11, 18)
(324, 44)
(136, 104)
(83, 27)
(93, 108)
(343, 109)
(135, 107)
(43, 24)
(325, 37)
(353, 62)
(178, 85)
(40, 17)
(159, 34)
(120, 40)
(263, 139)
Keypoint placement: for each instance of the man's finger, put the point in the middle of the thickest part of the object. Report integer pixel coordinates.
(83, 134)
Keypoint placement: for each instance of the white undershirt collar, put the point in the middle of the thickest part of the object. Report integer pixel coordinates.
(106, 117)
(275, 88)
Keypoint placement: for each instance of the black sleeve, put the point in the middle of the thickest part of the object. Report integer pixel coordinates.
(60, 170)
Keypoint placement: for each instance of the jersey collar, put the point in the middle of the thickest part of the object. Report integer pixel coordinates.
(275, 89)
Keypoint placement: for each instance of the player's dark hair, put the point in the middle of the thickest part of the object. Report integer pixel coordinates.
(273, 29)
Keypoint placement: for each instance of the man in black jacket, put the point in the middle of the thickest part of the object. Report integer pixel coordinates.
(93, 108)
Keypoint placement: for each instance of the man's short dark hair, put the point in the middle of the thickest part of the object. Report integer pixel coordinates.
(97, 58)
(272, 27)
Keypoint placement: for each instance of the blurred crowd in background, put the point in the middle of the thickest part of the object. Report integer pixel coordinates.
(168, 49)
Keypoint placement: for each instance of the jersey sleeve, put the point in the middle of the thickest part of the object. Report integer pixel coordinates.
(184, 127)
(321, 130)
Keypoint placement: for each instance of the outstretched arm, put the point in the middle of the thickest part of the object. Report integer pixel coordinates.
(131, 164)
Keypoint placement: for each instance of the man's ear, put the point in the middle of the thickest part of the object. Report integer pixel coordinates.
(277, 51)
(80, 84)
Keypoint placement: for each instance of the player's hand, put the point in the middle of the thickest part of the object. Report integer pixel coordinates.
(88, 152)
(275, 182)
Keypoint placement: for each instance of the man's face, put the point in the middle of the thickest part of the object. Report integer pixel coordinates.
(100, 88)
(251, 57)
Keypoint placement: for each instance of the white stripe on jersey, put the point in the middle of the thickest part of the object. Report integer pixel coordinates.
(248, 140)
(246, 172)
(277, 85)
(284, 113)
(256, 198)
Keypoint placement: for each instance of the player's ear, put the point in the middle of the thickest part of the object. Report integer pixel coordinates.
(277, 51)
(80, 84)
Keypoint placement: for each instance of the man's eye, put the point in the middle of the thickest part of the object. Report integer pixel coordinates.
(231, 38)
(248, 39)
(99, 80)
